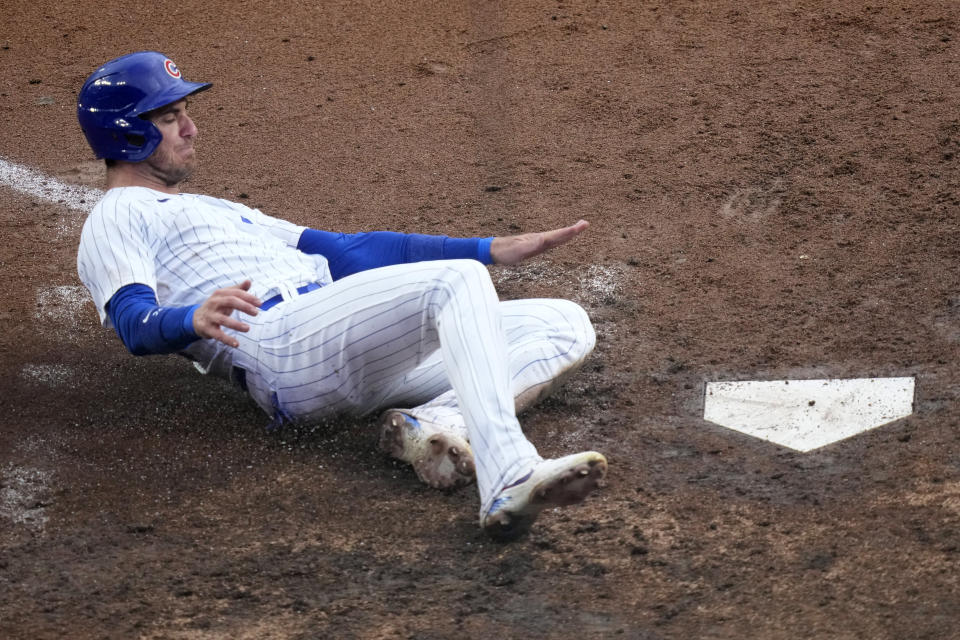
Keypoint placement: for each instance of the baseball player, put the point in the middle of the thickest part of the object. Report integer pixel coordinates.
(313, 323)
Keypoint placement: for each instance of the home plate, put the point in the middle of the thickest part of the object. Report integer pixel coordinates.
(807, 414)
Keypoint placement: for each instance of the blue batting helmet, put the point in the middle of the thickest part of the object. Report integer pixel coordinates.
(114, 97)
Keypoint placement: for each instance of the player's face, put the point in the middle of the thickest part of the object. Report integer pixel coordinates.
(174, 159)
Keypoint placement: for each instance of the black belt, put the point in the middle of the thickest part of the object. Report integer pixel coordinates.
(277, 299)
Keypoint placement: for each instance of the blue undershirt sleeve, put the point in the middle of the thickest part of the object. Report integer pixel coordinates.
(352, 253)
(146, 328)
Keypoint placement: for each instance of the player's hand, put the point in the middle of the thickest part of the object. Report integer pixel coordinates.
(215, 313)
(514, 249)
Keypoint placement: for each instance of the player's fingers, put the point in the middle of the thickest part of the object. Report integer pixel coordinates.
(248, 305)
(225, 338)
(232, 323)
(566, 234)
(239, 290)
(244, 286)
(208, 324)
(249, 298)
(242, 293)
(228, 300)
(574, 229)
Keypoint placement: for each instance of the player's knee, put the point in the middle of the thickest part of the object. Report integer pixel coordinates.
(466, 273)
(581, 328)
(589, 336)
(469, 268)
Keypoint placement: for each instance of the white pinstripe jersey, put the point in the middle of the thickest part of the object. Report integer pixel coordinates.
(187, 246)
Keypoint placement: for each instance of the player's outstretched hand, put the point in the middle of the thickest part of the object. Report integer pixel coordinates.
(215, 313)
(514, 249)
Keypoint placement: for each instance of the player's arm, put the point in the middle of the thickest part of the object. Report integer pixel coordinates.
(352, 253)
(146, 328)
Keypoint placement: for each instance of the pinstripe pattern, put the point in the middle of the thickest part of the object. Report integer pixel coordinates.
(372, 338)
(186, 247)
(428, 333)
(547, 339)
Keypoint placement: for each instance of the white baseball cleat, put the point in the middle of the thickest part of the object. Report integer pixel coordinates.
(441, 457)
(551, 483)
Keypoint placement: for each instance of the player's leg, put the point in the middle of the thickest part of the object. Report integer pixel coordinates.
(336, 349)
(547, 340)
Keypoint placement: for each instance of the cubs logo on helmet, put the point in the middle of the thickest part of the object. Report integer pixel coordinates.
(171, 68)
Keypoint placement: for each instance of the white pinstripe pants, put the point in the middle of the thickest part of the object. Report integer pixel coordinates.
(432, 334)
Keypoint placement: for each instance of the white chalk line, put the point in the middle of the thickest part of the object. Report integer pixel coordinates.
(49, 375)
(44, 187)
(62, 305)
(24, 496)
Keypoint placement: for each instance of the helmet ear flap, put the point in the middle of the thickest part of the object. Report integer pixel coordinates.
(139, 145)
(135, 139)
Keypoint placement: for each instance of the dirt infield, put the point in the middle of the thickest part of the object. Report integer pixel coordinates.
(773, 192)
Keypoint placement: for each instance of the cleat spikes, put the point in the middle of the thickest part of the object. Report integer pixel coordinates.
(440, 455)
(550, 483)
